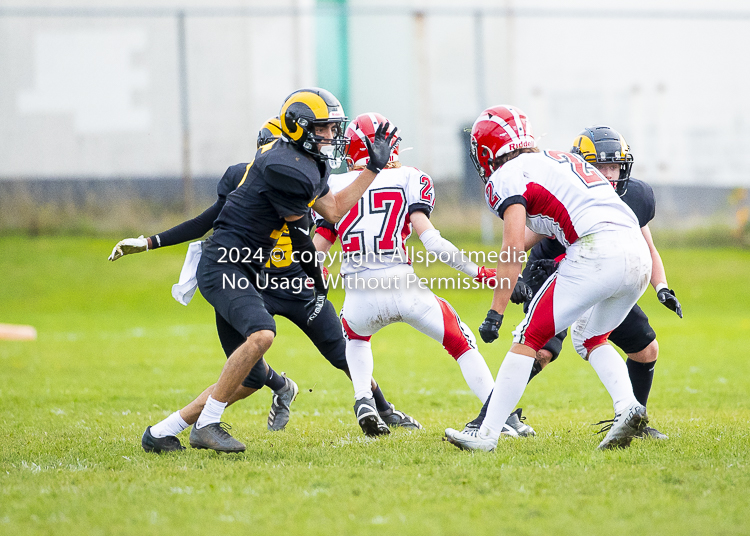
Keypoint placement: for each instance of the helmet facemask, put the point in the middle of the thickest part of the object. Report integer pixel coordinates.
(333, 149)
(482, 160)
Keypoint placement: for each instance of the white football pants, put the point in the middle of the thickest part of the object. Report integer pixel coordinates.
(385, 298)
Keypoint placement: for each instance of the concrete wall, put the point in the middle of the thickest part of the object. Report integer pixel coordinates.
(96, 94)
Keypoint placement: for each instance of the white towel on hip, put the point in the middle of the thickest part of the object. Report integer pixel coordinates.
(183, 291)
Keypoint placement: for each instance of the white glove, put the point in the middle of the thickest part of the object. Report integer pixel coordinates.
(128, 246)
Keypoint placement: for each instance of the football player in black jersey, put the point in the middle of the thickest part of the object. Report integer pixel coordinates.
(607, 150)
(273, 196)
(284, 295)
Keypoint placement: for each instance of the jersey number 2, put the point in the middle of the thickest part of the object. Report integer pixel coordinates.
(585, 171)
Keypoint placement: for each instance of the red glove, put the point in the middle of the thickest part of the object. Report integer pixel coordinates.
(487, 276)
(326, 275)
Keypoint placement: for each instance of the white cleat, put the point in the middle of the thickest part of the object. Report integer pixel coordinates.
(630, 423)
(473, 440)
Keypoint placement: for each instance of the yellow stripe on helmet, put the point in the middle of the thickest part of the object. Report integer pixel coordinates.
(273, 126)
(313, 101)
(587, 148)
(625, 148)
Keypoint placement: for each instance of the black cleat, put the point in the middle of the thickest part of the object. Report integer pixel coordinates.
(369, 419)
(215, 436)
(168, 443)
(398, 419)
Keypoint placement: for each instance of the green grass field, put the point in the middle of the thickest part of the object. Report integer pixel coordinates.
(116, 353)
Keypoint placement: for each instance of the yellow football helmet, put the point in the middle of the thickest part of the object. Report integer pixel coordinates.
(601, 144)
(270, 131)
(314, 106)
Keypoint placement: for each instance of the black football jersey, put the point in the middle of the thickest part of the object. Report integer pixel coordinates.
(641, 200)
(281, 181)
(639, 197)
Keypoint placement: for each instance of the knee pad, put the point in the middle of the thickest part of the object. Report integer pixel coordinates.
(554, 345)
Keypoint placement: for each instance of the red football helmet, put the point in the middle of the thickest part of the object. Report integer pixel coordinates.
(365, 125)
(498, 130)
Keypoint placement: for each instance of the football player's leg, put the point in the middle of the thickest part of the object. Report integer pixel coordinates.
(434, 317)
(589, 335)
(554, 307)
(530, 336)
(591, 330)
(261, 374)
(273, 380)
(180, 420)
(360, 319)
(162, 436)
(362, 315)
(359, 360)
(637, 339)
(544, 357)
(244, 311)
(192, 411)
(326, 334)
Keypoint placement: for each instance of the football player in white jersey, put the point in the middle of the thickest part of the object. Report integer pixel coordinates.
(381, 287)
(606, 269)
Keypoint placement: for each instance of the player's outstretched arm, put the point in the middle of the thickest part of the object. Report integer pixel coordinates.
(334, 206)
(659, 276)
(435, 243)
(191, 229)
(128, 246)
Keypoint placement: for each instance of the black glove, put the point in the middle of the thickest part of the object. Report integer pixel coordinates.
(666, 296)
(488, 329)
(380, 148)
(539, 271)
(315, 305)
(521, 292)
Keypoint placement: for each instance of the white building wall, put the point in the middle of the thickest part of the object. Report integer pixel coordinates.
(98, 96)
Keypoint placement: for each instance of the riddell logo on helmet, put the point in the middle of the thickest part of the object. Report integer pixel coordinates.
(522, 145)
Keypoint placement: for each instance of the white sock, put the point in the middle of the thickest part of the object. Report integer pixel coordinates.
(477, 374)
(171, 426)
(613, 372)
(211, 412)
(359, 359)
(509, 387)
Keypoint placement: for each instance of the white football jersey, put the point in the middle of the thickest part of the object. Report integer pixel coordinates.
(373, 233)
(565, 196)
